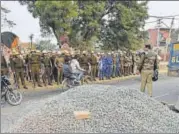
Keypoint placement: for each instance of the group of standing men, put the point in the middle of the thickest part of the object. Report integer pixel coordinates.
(47, 66)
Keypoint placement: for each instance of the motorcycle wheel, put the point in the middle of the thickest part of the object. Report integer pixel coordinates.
(65, 84)
(14, 97)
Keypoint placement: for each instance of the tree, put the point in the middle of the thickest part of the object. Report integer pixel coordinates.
(122, 29)
(55, 16)
(45, 45)
(116, 23)
(4, 21)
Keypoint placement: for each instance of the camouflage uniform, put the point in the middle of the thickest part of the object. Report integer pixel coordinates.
(146, 67)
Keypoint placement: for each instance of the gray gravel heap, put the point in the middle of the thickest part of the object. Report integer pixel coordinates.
(113, 110)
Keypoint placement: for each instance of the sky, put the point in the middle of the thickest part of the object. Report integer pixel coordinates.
(26, 24)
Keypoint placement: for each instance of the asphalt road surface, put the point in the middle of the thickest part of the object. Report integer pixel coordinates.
(166, 89)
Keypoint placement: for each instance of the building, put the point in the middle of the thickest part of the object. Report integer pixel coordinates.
(26, 46)
(163, 36)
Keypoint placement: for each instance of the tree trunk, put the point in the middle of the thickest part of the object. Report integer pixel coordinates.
(57, 37)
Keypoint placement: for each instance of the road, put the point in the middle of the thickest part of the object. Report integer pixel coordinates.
(165, 89)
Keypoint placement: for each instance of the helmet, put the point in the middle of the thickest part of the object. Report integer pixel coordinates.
(22, 52)
(38, 51)
(59, 52)
(84, 52)
(44, 51)
(15, 53)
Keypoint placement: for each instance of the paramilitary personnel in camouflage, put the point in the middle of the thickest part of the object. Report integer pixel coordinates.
(146, 67)
(34, 63)
(17, 66)
(48, 68)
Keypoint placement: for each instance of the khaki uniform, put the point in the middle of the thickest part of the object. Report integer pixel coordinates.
(18, 68)
(34, 62)
(136, 63)
(130, 64)
(59, 61)
(146, 67)
(93, 62)
(84, 62)
(4, 66)
(122, 64)
(48, 70)
(114, 66)
(54, 69)
(126, 65)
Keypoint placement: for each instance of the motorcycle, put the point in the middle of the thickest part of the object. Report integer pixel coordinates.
(70, 82)
(12, 96)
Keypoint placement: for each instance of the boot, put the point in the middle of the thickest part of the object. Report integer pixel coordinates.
(39, 85)
(25, 87)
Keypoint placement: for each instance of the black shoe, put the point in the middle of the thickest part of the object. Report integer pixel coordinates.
(40, 85)
(25, 87)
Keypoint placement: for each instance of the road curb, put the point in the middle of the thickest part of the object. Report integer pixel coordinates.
(48, 88)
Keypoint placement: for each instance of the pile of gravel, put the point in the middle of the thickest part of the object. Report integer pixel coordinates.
(113, 109)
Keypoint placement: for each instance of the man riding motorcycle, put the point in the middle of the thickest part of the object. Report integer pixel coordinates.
(76, 69)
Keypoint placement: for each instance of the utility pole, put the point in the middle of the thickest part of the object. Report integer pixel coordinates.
(31, 38)
(169, 39)
(158, 34)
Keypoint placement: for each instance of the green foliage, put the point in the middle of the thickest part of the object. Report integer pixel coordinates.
(45, 45)
(115, 23)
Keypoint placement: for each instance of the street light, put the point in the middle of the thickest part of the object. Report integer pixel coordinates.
(31, 38)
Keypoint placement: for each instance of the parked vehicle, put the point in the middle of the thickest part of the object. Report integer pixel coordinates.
(12, 96)
(173, 65)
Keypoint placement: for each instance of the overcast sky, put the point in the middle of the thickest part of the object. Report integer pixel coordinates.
(26, 24)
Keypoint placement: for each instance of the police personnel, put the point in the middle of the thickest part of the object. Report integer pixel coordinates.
(48, 68)
(59, 61)
(18, 69)
(93, 62)
(146, 68)
(4, 66)
(34, 63)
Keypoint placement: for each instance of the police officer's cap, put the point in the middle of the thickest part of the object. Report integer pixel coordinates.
(44, 51)
(84, 52)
